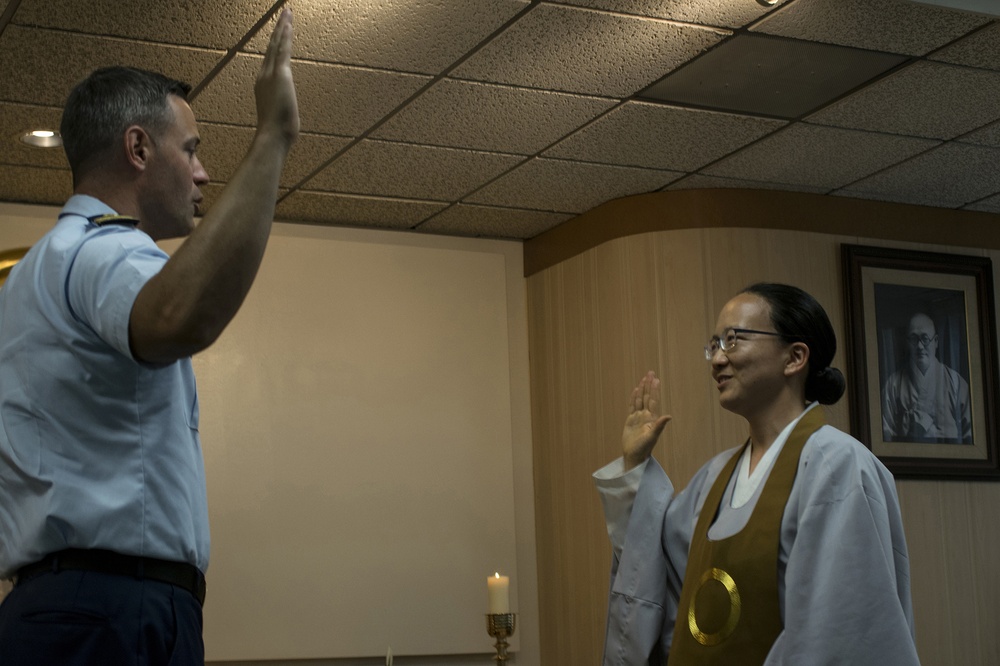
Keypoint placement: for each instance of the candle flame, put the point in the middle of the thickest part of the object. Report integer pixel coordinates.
(496, 574)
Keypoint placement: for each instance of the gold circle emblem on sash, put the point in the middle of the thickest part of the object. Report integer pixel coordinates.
(715, 608)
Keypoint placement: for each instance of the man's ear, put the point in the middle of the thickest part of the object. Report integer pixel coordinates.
(798, 358)
(138, 145)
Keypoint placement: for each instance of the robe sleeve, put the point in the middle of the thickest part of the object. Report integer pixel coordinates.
(890, 400)
(638, 573)
(963, 411)
(618, 489)
(847, 588)
(648, 570)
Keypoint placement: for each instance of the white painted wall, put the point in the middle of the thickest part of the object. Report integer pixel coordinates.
(366, 427)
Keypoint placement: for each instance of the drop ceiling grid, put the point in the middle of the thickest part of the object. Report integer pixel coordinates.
(411, 171)
(40, 66)
(988, 205)
(538, 122)
(492, 222)
(699, 181)
(719, 13)
(661, 136)
(771, 76)
(333, 99)
(952, 175)
(354, 210)
(825, 158)
(568, 187)
(415, 36)
(920, 100)
(585, 51)
(479, 116)
(892, 26)
(985, 136)
(177, 22)
(223, 147)
(981, 49)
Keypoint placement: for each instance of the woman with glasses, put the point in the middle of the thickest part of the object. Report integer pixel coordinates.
(788, 549)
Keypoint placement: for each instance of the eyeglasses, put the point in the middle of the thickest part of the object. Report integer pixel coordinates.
(728, 340)
(924, 340)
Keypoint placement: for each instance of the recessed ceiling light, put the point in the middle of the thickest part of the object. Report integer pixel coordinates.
(768, 3)
(42, 139)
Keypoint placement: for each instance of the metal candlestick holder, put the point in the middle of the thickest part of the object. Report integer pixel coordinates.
(501, 626)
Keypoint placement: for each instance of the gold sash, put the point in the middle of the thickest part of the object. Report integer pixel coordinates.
(729, 611)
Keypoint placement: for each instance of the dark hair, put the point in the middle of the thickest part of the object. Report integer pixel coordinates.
(103, 105)
(799, 317)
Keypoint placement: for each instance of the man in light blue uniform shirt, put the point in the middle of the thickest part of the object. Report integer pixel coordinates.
(103, 512)
(78, 407)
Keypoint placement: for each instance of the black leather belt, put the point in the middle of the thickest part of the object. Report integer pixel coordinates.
(180, 574)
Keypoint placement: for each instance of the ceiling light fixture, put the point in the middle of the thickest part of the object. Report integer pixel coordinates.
(42, 139)
(768, 3)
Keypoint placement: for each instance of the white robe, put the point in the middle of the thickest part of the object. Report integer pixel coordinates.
(843, 570)
(931, 406)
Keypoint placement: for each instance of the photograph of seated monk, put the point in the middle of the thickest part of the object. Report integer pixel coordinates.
(924, 400)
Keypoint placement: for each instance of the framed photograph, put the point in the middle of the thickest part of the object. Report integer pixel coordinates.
(922, 361)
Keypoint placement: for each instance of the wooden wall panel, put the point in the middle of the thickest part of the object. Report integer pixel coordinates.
(599, 319)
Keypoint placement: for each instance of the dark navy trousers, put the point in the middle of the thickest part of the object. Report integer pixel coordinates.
(82, 618)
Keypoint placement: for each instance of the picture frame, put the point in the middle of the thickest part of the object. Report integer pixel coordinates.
(922, 360)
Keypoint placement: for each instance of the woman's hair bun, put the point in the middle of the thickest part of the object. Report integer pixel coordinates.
(826, 386)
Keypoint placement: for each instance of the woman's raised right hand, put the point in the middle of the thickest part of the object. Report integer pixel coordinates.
(644, 423)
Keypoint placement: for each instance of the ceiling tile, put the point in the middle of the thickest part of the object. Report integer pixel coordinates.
(492, 222)
(210, 194)
(821, 157)
(333, 99)
(772, 76)
(354, 211)
(985, 7)
(27, 55)
(919, 100)
(721, 13)
(416, 144)
(895, 26)
(413, 36)
(980, 49)
(987, 205)
(411, 171)
(19, 119)
(662, 137)
(986, 136)
(34, 185)
(223, 147)
(568, 187)
(486, 117)
(176, 21)
(585, 51)
(950, 176)
(697, 181)
(873, 196)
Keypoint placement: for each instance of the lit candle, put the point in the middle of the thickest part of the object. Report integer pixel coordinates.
(499, 589)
